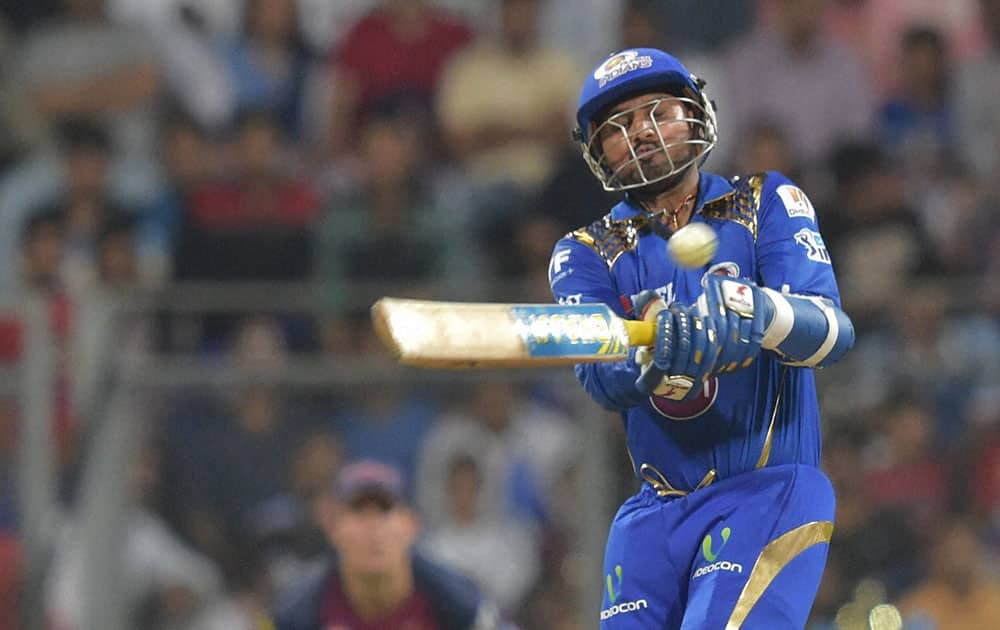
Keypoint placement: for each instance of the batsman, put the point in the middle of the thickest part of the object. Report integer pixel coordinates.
(731, 526)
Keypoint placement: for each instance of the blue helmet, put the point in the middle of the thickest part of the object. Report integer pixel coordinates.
(630, 73)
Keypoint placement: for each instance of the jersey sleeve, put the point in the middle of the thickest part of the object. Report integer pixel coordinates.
(578, 275)
(791, 254)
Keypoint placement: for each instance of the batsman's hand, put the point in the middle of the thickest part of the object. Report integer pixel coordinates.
(740, 312)
(683, 353)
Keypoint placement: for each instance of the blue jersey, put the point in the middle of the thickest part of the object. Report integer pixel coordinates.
(766, 414)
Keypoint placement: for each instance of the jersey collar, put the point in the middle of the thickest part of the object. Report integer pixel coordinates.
(710, 188)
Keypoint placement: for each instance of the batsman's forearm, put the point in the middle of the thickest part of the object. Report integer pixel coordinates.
(611, 385)
(806, 331)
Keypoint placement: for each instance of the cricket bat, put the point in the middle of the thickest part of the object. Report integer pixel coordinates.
(434, 334)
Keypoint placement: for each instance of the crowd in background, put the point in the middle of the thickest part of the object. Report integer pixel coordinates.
(422, 147)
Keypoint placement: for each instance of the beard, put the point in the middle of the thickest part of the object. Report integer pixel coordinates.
(656, 168)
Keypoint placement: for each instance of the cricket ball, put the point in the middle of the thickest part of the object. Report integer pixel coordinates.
(693, 245)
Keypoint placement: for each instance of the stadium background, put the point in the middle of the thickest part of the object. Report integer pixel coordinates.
(200, 199)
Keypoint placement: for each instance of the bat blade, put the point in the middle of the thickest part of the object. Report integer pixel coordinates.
(434, 334)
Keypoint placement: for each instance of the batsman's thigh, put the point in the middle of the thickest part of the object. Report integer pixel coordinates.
(641, 585)
(760, 568)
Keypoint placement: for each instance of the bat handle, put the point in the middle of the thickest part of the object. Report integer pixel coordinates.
(640, 333)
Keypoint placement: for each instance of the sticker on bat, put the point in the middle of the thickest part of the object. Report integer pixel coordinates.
(548, 331)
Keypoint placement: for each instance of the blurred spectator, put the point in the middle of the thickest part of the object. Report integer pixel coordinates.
(815, 86)
(376, 581)
(185, 34)
(766, 147)
(267, 63)
(227, 459)
(520, 253)
(284, 530)
(390, 227)
(958, 593)
(85, 206)
(505, 103)
(501, 555)
(116, 263)
(254, 225)
(875, 27)
(958, 215)
(43, 248)
(84, 65)
(572, 196)
(873, 227)
(523, 450)
(869, 542)
(397, 49)
(907, 473)
(167, 583)
(977, 88)
(188, 160)
(917, 125)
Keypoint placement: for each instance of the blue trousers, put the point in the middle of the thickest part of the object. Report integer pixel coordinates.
(743, 553)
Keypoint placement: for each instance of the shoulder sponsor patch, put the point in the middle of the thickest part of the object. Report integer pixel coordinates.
(796, 202)
(813, 243)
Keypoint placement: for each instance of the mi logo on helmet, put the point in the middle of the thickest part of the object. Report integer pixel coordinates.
(619, 64)
(614, 592)
(711, 554)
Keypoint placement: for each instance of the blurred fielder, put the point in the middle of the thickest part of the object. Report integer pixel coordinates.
(730, 528)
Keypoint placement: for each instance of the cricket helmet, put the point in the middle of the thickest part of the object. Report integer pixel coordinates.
(627, 74)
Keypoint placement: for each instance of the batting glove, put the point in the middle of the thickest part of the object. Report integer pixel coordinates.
(683, 353)
(740, 312)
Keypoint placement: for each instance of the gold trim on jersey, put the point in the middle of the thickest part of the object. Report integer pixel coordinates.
(775, 557)
(663, 488)
(611, 238)
(765, 453)
(741, 205)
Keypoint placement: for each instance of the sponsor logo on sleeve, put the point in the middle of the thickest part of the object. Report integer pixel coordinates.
(796, 202)
(812, 242)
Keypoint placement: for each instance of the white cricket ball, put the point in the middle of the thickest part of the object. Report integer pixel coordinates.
(693, 245)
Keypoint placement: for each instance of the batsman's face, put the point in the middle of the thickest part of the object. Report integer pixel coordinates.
(645, 138)
(372, 537)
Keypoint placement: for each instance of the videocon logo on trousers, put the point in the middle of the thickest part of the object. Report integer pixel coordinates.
(711, 554)
(615, 589)
(614, 583)
(706, 545)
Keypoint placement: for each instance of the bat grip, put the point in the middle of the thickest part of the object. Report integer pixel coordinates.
(640, 333)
